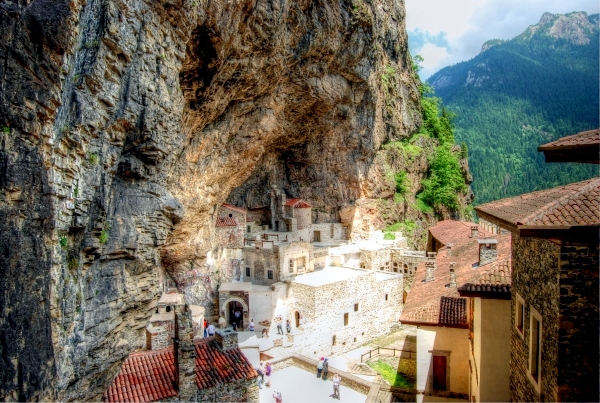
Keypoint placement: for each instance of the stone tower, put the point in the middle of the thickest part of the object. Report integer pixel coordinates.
(185, 357)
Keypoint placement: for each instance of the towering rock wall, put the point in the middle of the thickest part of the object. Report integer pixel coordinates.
(126, 123)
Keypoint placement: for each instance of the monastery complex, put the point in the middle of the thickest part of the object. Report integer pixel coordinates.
(497, 305)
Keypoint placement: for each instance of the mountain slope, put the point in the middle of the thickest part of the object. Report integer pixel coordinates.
(518, 94)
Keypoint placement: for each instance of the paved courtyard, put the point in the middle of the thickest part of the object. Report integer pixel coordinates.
(299, 386)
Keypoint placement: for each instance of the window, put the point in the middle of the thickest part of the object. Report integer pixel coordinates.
(291, 265)
(230, 215)
(247, 272)
(346, 317)
(249, 229)
(520, 315)
(386, 297)
(535, 347)
(334, 341)
(270, 274)
(356, 307)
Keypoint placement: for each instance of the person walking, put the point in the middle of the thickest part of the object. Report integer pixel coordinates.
(277, 396)
(325, 368)
(288, 326)
(336, 386)
(320, 367)
(205, 328)
(251, 326)
(261, 375)
(211, 330)
(268, 369)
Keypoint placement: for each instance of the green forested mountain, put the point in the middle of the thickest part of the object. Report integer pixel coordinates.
(518, 94)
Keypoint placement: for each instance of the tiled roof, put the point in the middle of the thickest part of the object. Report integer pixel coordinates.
(451, 231)
(424, 301)
(150, 375)
(234, 208)
(590, 137)
(214, 367)
(486, 288)
(453, 311)
(144, 377)
(297, 203)
(575, 204)
(226, 222)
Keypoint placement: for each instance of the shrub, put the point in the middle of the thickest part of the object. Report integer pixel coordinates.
(63, 241)
(92, 158)
(389, 236)
(103, 237)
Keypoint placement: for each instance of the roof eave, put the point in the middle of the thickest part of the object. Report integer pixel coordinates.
(486, 295)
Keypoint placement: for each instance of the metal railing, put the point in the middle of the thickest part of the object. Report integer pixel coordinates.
(378, 351)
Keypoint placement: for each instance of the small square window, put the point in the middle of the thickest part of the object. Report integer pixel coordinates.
(346, 319)
(355, 307)
(230, 215)
(247, 272)
(386, 297)
(270, 274)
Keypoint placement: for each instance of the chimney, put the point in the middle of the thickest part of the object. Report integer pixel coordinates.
(452, 276)
(449, 246)
(488, 251)
(226, 339)
(474, 231)
(430, 270)
(185, 357)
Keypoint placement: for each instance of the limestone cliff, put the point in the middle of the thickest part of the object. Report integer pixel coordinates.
(126, 123)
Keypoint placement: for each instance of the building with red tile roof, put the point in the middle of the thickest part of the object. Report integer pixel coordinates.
(581, 147)
(235, 208)
(441, 314)
(554, 288)
(221, 373)
(297, 203)
(226, 222)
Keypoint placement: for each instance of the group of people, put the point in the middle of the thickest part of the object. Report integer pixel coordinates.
(279, 323)
(323, 371)
(264, 369)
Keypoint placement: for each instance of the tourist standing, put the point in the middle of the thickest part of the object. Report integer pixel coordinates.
(261, 375)
(268, 369)
(288, 326)
(325, 368)
(336, 386)
(205, 328)
(320, 367)
(251, 326)
(277, 396)
(222, 321)
(211, 330)
(279, 327)
(238, 316)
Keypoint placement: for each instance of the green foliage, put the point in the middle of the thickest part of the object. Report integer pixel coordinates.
(389, 373)
(523, 93)
(389, 82)
(389, 236)
(63, 241)
(103, 238)
(76, 78)
(416, 65)
(92, 158)
(91, 44)
(406, 227)
(410, 151)
(76, 191)
(402, 183)
(422, 206)
(445, 181)
(5, 130)
(464, 151)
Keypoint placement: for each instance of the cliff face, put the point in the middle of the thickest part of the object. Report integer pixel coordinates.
(125, 124)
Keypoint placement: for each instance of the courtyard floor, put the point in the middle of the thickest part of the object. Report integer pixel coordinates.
(299, 386)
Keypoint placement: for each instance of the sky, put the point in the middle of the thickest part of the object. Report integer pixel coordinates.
(446, 32)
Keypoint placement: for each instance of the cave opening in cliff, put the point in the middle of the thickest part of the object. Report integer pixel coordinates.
(199, 66)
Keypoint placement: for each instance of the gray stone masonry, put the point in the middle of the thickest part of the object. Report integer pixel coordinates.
(487, 254)
(535, 278)
(226, 339)
(185, 358)
(578, 332)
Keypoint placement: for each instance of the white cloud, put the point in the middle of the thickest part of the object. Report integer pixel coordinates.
(432, 56)
(467, 24)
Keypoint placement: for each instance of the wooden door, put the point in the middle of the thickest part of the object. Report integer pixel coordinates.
(297, 317)
(439, 372)
(317, 236)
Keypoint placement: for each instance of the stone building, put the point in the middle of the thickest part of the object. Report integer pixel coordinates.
(230, 226)
(555, 291)
(442, 316)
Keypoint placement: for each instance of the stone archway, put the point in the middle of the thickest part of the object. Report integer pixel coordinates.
(224, 309)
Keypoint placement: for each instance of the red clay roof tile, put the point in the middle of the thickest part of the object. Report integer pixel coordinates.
(226, 222)
(451, 231)
(234, 208)
(590, 137)
(297, 203)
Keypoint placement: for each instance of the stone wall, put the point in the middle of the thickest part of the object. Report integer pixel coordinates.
(294, 251)
(157, 338)
(303, 217)
(535, 278)
(578, 333)
(329, 231)
(240, 391)
(259, 261)
(323, 310)
(379, 259)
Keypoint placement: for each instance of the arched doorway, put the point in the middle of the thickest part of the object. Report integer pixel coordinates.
(297, 317)
(229, 307)
(235, 314)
